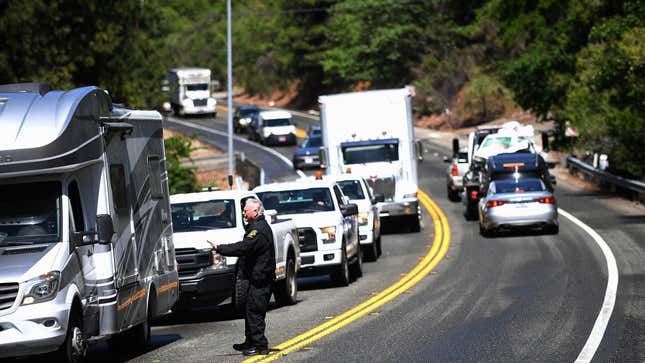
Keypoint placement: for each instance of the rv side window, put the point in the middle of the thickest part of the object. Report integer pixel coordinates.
(117, 177)
(77, 207)
(154, 168)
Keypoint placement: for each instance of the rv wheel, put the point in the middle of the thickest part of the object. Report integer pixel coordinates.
(74, 348)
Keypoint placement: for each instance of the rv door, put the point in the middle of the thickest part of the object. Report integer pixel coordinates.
(125, 249)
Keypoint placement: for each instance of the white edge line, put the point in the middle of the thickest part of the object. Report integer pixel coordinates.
(599, 327)
(222, 133)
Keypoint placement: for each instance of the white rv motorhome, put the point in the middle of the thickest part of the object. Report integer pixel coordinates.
(190, 91)
(372, 134)
(86, 248)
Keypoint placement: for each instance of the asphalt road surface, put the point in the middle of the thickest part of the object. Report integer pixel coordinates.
(518, 297)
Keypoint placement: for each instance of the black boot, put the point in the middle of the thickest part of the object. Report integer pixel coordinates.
(255, 351)
(242, 346)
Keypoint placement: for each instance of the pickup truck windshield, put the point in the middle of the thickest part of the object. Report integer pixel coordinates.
(199, 216)
(30, 213)
(362, 154)
(352, 189)
(277, 122)
(298, 201)
(197, 87)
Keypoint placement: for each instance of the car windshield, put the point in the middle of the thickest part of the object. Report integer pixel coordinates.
(361, 154)
(519, 186)
(352, 189)
(30, 213)
(298, 201)
(312, 142)
(197, 87)
(277, 122)
(247, 112)
(199, 216)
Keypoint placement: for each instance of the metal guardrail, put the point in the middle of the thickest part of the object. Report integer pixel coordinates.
(632, 188)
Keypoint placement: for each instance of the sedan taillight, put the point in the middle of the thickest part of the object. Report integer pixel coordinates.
(495, 203)
(546, 200)
(455, 170)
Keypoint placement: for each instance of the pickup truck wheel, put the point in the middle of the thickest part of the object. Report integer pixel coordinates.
(415, 224)
(74, 348)
(341, 276)
(453, 196)
(286, 291)
(240, 292)
(378, 246)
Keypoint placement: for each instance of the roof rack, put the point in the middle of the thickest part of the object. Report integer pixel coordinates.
(30, 87)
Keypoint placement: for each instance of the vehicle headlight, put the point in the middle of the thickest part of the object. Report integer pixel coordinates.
(218, 261)
(410, 195)
(328, 234)
(363, 218)
(266, 132)
(42, 288)
(245, 121)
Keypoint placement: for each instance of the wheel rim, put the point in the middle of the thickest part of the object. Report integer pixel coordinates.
(78, 343)
(292, 281)
(345, 266)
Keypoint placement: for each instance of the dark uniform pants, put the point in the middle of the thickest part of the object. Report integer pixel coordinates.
(257, 303)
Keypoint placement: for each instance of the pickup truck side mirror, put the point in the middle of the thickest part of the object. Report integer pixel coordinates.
(104, 228)
(271, 215)
(378, 198)
(349, 209)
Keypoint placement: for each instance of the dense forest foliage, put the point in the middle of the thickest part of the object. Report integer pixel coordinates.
(576, 61)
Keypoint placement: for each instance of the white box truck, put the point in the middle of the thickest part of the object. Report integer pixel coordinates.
(190, 91)
(372, 134)
(86, 248)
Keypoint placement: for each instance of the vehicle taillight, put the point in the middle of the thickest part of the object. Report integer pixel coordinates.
(546, 200)
(495, 203)
(454, 171)
(474, 194)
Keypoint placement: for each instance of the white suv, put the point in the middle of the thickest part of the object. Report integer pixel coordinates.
(276, 127)
(327, 225)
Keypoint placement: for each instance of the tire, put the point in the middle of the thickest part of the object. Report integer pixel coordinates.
(452, 195)
(341, 276)
(485, 232)
(240, 292)
(74, 347)
(286, 291)
(414, 224)
(379, 247)
(137, 338)
(357, 266)
(371, 252)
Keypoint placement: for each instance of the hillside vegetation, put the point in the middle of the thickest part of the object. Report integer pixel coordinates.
(576, 61)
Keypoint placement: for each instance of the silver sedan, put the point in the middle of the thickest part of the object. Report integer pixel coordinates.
(518, 203)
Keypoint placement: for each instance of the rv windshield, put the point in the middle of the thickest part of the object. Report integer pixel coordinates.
(199, 216)
(197, 87)
(277, 122)
(30, 213)
(298, 201)
(370, 153)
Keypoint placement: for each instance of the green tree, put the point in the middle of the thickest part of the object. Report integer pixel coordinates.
(181, 179)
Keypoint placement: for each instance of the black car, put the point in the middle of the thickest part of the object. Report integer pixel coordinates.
(243, 116)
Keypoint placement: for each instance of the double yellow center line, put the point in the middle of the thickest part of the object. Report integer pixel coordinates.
(430, 260)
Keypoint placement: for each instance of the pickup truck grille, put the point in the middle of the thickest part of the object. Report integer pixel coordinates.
(192, 260)
(307, 240)
(200, 102)
(8, 294)
(385, 186)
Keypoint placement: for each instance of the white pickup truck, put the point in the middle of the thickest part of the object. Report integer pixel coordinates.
(216, 216)
(327, 225)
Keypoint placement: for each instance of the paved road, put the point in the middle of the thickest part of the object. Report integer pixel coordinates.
(513, 298)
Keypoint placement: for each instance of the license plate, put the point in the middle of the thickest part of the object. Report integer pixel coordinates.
(521, 205)
(282, 138)
(309, 160)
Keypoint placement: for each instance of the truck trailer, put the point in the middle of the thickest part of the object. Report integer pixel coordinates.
(371, 134)
(86, 250)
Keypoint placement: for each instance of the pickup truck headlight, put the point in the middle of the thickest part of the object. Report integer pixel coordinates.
(363, 218)
(42, 288)
(330, 234)
(218, 261)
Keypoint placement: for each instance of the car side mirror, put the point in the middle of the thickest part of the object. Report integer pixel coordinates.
(349, 209)
(378, 198)
(104, 228)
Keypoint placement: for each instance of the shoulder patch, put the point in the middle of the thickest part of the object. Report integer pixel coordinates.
(252, 234)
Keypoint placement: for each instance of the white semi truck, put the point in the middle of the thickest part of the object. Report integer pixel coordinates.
(372, 134)
(190, 91)
(86, 249)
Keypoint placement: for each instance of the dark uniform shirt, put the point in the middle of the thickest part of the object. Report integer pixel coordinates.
(258, 252)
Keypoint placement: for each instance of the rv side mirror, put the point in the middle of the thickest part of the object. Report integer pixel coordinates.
(378, 198)
(322, 156)
(419, 150)
(349, 209)
(104, 228)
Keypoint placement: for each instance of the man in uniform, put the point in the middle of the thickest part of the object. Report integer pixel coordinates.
(258, 252)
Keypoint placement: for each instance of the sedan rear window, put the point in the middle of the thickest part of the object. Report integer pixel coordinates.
(519, 186)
